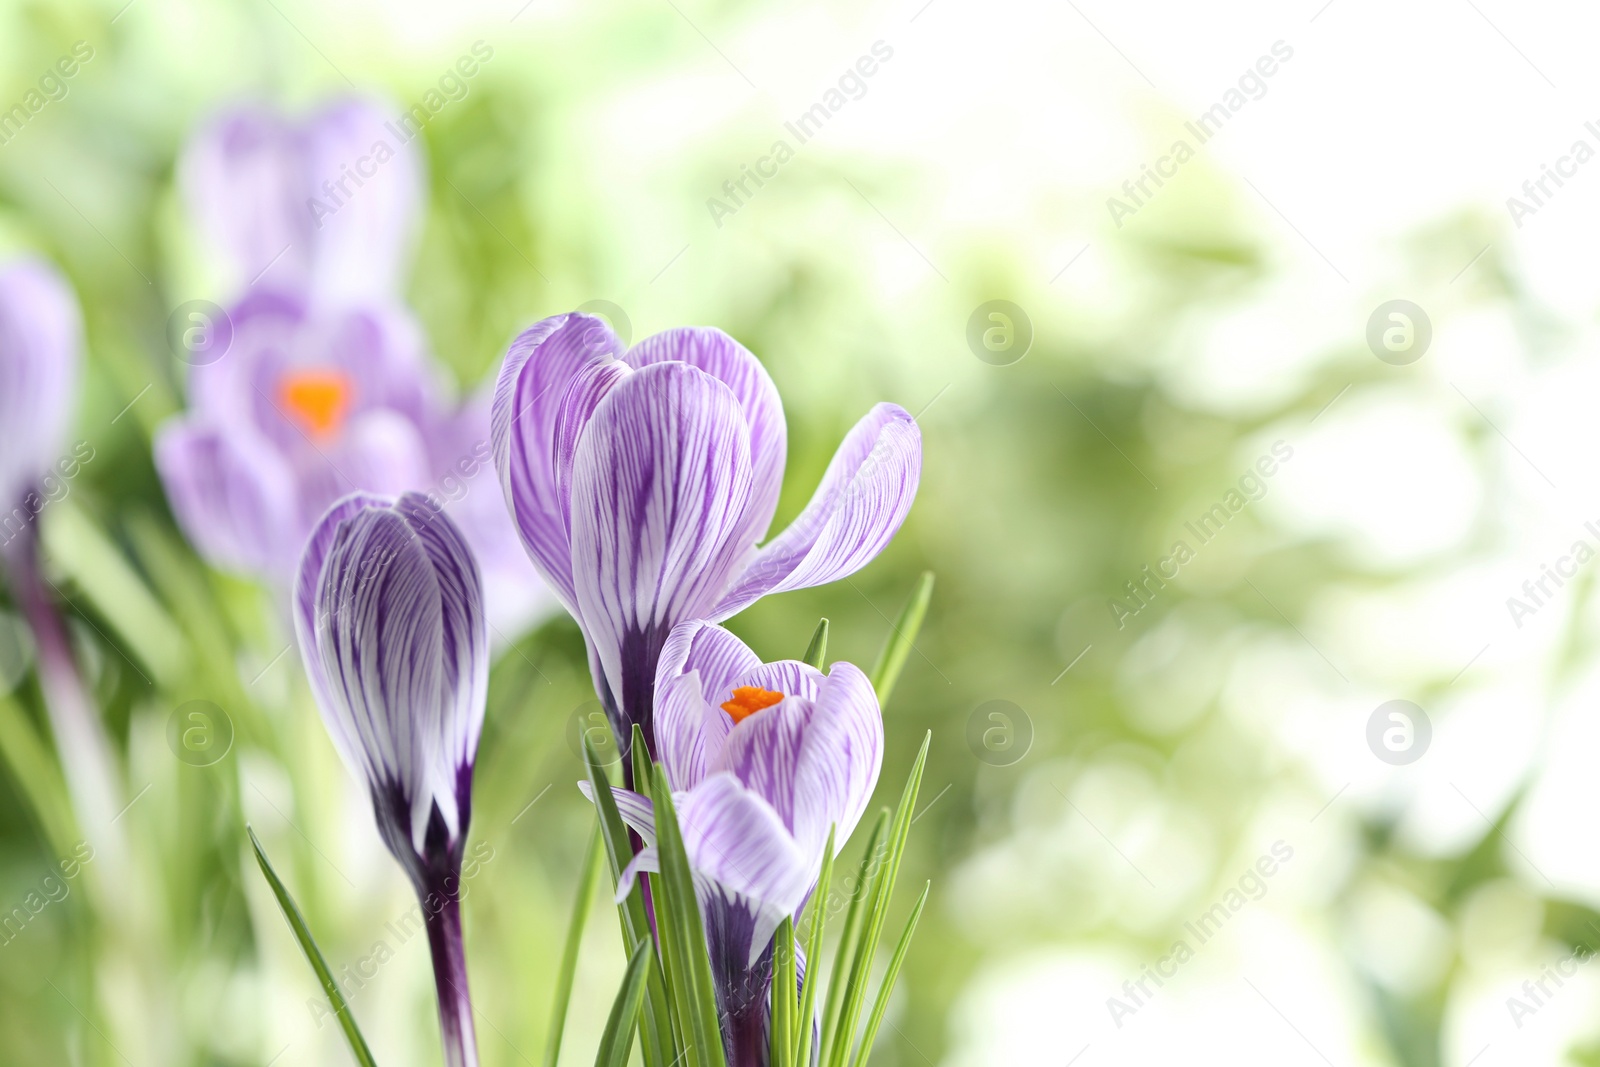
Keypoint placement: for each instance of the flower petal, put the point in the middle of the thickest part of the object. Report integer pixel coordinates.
(529, 396)
(41, 338)
(862, 500)
(399, 633)
(735, 366)
(698, 660)
(637, 811)
(841, 754)
(735, 838)
(659, 484)
(234, 497)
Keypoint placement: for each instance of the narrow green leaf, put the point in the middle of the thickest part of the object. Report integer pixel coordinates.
(783, 995)
(902, 637)
(881, 1005)
(617, 1039)
(691, 958)
(38, 775)
(879, 911)
(297, 923)
(817, 650)
(866, 876)
(593, 860)
(819, 919)
(656, 1035)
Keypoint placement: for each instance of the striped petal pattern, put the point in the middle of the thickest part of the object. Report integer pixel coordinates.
(643, 479)
(389, 616)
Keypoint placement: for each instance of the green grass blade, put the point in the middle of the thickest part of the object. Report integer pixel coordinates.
(784, 1007)
(297, 923)
(617, 1039)
(819, 919)
(37, 774)
(902, 636)
(691, 958)
(593, 860)
(656, 1037)
(866, 876)
(879, 911)
(881, 1005)
(817, 650)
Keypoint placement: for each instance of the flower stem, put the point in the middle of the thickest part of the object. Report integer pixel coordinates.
(450, 977)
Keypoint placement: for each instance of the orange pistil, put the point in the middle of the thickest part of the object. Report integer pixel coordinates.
(749, 699)
(317, 398)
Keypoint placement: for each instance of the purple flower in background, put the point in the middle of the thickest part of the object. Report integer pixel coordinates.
(328, 204)
(312, 402)
(642, 479)
(41, 335)
(388, 609)
(763, 759)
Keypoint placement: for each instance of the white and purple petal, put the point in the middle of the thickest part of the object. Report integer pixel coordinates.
(659, 484)
(234, 497)
(863, 498)
(529, 395)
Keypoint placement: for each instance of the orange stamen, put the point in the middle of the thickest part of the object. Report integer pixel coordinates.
(749, 699)
(317, 398)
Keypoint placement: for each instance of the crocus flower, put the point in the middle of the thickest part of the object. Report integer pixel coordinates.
(326, 204)
(763, 760)
(41, 341)
(643, 479)
(312, 402)
(388, 609)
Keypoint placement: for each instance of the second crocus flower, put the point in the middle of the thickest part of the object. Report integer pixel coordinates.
(763, 760)
(389, 614)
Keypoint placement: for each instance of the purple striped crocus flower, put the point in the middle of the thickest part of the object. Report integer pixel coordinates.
(763, 759)
(388, 608)
(328, 203)
(642, 480)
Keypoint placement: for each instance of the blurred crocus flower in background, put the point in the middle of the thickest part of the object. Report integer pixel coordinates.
(763, 759)
(388, 608)
(318, 382)
(642, 480)
(41, 341)
(327, 204)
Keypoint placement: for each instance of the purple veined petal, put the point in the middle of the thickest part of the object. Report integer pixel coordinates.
(734, 838)
(763, 751)
(841, 754)
(529, 394)
(735, 366)
(233, 495)
(307, 583)
(244, 178)
(363, 198)
(659, 486)
(41, 340)
(863, 498)
(697, 661)
(400, 636)
(637, 811)
(646, 861)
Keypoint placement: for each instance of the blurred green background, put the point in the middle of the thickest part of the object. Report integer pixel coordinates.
(1141, 769)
